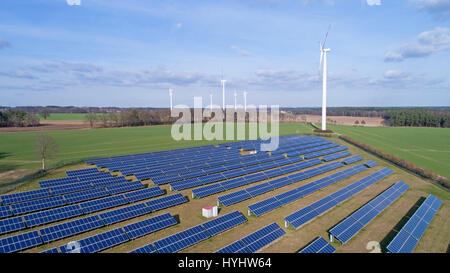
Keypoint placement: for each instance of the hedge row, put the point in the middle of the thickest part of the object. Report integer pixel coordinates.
(445, 182)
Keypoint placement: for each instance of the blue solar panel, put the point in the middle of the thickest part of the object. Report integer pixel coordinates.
(336, 156)
(106, 181)
(125, 213)
(145, 249)
(319, 245)
(5, 211)
(52, 215)
(51, 251)
(103, 203)
(236, 247)
(24, 196)
(80, 186)
(263, 237)
(11, 224)
(97, 242)
(70, 228)
(166, 201)
(82, 171)
(207, 190)
(352, 159)
(125, 187)
(181, 240)
(325, 152)
(308, 213)
(224, 222)
(149, 225)
(39, 204)
(233, 198)
(143, 194)
(20, 242)
(58, 182)
(407, 238)
(371, 163)
(77, 197)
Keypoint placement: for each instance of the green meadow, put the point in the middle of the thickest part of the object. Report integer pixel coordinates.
(63, 116)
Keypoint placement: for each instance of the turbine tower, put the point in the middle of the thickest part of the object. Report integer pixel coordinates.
(210, 101)
(235, 100)
(223, 94)
(245, 101)
(323, 56)
(171, 98)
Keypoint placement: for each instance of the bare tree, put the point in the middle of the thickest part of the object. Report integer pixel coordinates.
(114, 119)
(104, 118)
(91, 118)
(46, 148)
(45, 113)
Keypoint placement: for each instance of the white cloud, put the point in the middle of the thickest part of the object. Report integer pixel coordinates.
(374, 2)
(440, 9)
(427, 43)
(73, 2)
(179, 25)
(241, 51)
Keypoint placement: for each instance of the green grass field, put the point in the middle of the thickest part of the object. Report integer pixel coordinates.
(60, 116)
(17, 150)
(428, 148)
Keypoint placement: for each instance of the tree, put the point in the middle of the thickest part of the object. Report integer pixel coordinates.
(363, 122)
(45, 113)
(114, 119)
(91, 118)
(356, 122)
(104, 119)
(32, 120)
(46, 148)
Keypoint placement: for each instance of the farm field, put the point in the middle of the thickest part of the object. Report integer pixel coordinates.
(381, 229)
(64, 116)
(426, 147)
(17, 151)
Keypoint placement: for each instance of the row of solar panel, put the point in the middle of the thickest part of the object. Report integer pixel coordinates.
(314, 143)
(73, 179)
(282, 199)
(255, 241)
(409, 235)
(319, 245)
(311, 149)
(195, 182)
(245, 180)
(239, 196)
(194, 235)
(351, 225)
(306, 214)
(67, 229)
(325, 152)
(67, 212)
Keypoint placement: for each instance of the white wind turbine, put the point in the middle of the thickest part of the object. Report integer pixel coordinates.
(171, 98)
(323, 56)
(210, 101)
(223, 94)
(245, 101)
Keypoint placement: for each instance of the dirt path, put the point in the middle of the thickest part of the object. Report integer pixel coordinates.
(47, 125)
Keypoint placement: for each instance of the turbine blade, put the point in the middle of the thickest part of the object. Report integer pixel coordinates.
(326, 35)
(321, 58)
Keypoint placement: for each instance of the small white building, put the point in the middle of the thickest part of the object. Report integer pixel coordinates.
(210, 211)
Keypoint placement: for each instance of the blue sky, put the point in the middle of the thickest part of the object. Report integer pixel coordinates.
(128, 53)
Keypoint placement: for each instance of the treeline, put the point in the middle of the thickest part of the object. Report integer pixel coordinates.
(400, 162)
(418, 118)
(16, 118)
(130, 117)
(341, 111)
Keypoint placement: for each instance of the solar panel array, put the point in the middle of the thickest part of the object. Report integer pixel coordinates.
(239, 196)
(319, 245)
(255, 241)
(325, 152)
(336, 156)
(52, 215)
(371, 163)
(277, 201)
(149, 225)
(351, 225)
(230, 184)
(352, 159)
(70, 228)
(311, 149)
(11, 224)
(82, 171)
(194, 235)
(166, 202)
(125, 213)
(24, 196)
(20, 242)
(96, 242)
(306, 214)
(407, 238)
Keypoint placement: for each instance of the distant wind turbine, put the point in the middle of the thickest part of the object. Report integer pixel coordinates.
(323, 56)
(245, 101)
(223, 94)
(210, 101)
(171, 98)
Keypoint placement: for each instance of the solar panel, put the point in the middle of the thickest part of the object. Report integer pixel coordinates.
(336, 156)
(58, 182)
(149, 225)
(303, 216)
(97, 242)
(352, 159)
(81, 196)
(50, 251)
(5, 211)
(125, 213)
(24, 196)
(325, 152)
(181, 240)
(106, 181)
(125, 187)
(103, 203)
(233, 198)
(166, 202)
(143, 194)
(319, 245)
(52, 215)
(11, 224)
(407, 238)
(20, 242)
(82, 171)
(224, 222)
(371, 163)
(38, 204)
(351, 225)
(80, 186)
(236, 247)
(207, 190)
(70, 228)
(145, 249)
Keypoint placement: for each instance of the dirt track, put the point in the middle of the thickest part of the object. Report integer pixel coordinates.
(47, 125)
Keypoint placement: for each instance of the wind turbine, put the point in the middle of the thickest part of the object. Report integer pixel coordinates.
(323, 56)
(223, 94)
(245, 101)
(235, 100)
(171, 98)
(210, 101)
